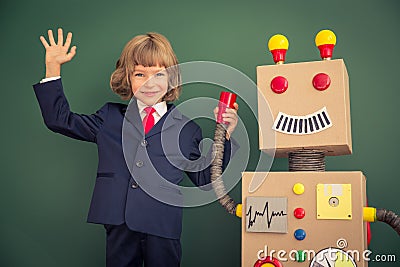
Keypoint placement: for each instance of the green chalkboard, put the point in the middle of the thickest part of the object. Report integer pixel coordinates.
(47, 179)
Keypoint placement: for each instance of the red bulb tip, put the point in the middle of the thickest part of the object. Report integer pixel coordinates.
(326, 50)
(279, 55)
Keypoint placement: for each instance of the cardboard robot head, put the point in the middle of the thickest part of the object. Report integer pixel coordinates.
(309, 102)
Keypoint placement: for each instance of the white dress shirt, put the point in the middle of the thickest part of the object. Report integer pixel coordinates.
(50, 79)
(161, 109)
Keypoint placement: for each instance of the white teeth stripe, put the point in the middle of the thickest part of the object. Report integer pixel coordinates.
(300, 125)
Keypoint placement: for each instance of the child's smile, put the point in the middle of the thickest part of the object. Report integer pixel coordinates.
(149, 84)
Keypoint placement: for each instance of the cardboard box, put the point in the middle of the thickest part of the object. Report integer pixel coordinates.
(303, 102)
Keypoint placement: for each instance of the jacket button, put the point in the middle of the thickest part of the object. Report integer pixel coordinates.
(143, 143)
(134, 185)
(139, 163)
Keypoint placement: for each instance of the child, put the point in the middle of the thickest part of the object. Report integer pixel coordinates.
(139, 228)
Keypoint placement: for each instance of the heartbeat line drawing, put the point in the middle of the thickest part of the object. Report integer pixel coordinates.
(264, 212)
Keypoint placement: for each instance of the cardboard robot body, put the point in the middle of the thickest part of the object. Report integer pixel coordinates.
(333, 206)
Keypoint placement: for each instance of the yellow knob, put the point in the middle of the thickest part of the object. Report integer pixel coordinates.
(369, 214)
(239, 210)
(298, 188)
(278, 41)
(268, 265)
(325, 37)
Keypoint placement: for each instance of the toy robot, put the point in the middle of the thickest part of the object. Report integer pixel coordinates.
(307, 216)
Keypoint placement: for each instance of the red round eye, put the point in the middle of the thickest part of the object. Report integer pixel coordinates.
(321, 81)
(279, 84)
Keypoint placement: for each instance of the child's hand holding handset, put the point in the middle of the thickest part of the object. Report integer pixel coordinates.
(57, 53)
(230, 116)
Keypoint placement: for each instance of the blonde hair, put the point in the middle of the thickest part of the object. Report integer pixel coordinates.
(151, 49)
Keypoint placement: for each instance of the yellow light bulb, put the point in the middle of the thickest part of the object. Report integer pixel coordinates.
(325, 41)
(278, 45)
(325, 37)
(278, 41)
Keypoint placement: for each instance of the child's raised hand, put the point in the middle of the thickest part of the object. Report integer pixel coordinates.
(57, 53)
(230, 116)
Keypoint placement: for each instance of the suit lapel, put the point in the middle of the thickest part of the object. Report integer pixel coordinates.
(132, 116)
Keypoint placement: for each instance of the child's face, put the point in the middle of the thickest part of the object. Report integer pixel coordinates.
(149, 84)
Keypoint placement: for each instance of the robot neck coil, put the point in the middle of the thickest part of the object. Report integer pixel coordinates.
(306, 160)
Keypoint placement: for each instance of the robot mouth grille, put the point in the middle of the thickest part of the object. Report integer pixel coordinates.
(301, 125)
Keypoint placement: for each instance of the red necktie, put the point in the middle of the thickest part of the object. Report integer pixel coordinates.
(148, 120)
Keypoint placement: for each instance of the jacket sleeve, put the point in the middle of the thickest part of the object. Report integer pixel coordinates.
(203, 176)
(58, 117)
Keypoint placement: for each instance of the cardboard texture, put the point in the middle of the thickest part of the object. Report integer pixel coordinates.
(320, 233)
(302, 99)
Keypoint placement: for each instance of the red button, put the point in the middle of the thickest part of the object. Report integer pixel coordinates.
(299, 213)
(279, 84)
(321, 81)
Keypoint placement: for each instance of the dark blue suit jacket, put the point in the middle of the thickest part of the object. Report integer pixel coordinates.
(137, 174)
